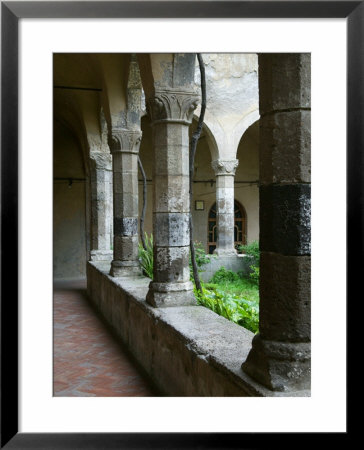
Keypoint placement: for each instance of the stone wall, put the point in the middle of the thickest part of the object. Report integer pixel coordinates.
(69, 208)
(186, 350)
(236, 263)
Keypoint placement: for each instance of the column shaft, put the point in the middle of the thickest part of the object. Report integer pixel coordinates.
(280, 357)
(225, 174)
(171, 284)
(101, 206)
(124, 148)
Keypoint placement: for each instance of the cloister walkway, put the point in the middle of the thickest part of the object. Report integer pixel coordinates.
(88, 360)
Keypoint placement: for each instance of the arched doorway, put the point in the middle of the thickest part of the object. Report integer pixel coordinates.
(239, 227)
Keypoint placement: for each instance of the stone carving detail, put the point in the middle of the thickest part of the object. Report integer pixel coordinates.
(122, 140)
(101, 160)
(172, 106)
(222, 167)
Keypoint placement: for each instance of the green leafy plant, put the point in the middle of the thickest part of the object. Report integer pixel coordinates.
(200, 256)
(223, 275)
(146, 256)
(233, 307)
(252, 250)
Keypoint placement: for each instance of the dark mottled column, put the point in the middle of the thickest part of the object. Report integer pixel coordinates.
(124, 145)
(171, 114)
(280, 357)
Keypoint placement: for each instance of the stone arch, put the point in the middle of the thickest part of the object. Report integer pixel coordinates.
(210, 137)
(247, 178)
(242, 126)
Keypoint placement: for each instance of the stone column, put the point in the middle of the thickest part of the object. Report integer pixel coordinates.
(124, 145)
(171, 114)
(225, 174)
(101, 206)
(280, 357)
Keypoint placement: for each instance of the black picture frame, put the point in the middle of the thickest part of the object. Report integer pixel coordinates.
(11, 12)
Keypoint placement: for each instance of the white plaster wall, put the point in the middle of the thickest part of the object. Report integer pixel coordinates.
(232, 98)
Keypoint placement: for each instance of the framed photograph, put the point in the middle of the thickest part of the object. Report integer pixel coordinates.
(30, 416)
(199, 205)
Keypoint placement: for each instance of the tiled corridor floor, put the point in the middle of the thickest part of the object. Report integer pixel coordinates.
(88, 361)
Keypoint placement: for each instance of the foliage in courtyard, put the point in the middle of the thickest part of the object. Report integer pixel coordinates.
(200, 256)
(228, 293)
(252, 250)
(224, 276)
(239, 304)
(146, 256)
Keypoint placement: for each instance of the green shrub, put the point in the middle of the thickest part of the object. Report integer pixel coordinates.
(222, 276)
(146, 256)
(233, 307)
(252, 250)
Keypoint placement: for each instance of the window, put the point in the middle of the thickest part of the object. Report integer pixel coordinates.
(239, 227)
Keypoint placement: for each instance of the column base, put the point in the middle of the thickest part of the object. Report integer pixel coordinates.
(171, 294)
(280, 366)
(101, 255)
(125, 269)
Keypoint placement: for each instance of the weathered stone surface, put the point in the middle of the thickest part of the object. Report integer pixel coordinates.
(170, 105)
(285, 219)
(126, 183)
(225, 167)
(125, 226)
(171, 110)
(285, 297)
(101, 255)
(284, 81)
(126, 247)
(285, 149)
(171, 294)
(173, 229)
(101, 205)
(225, 201)
(125, 140)
(101, 160)
(126, 205)
(172, 194)
(225, 217)
(280, 366)
(170, 134)
(125, 162)
(124, 144)
(172, 160)
(186, 350)
(124, 271)
(171, 264)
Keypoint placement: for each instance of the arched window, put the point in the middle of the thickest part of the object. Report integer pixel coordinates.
(239, 227)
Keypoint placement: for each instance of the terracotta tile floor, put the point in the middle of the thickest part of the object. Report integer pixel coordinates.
(87, 359)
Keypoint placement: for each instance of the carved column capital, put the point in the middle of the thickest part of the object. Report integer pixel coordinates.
(124, 140)
(172, 106)
(225, 167)
(101, 160)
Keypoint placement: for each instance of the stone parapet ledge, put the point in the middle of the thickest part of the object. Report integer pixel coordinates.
(185, 350)
(101, 255)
